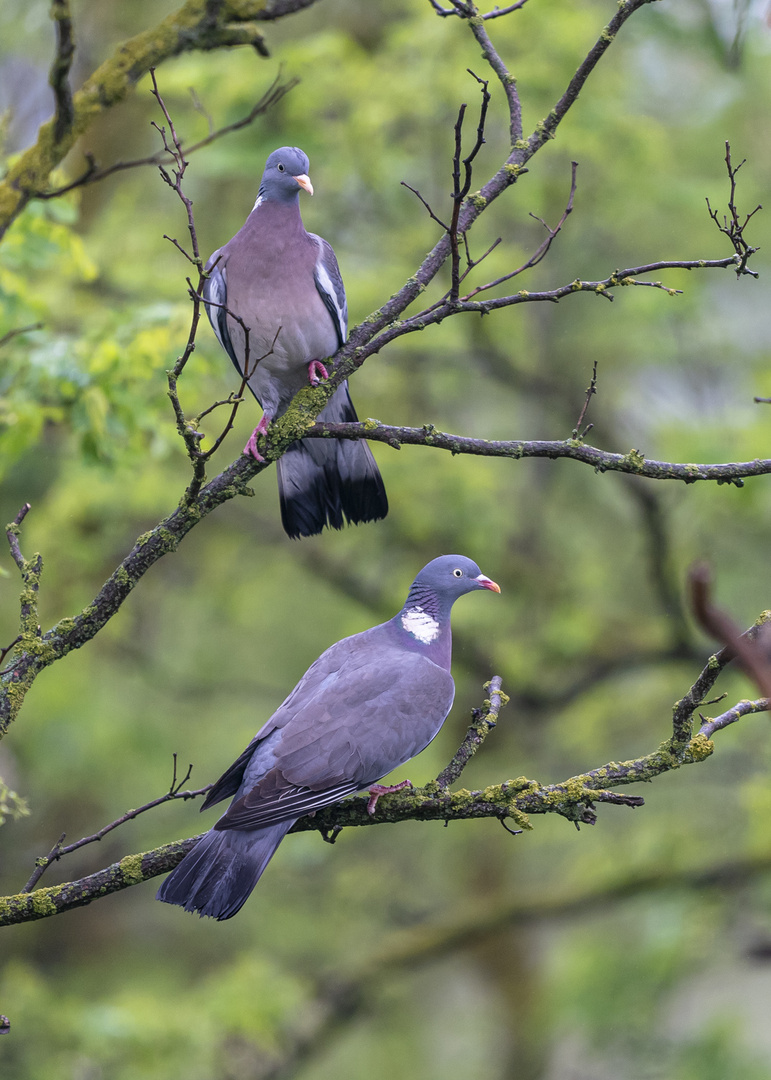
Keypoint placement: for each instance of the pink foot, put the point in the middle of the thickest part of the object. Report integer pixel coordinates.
(316, 372)
(261, 429)
(376, 790)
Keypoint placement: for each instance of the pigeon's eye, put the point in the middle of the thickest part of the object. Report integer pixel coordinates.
(280, 167)
(457, 572)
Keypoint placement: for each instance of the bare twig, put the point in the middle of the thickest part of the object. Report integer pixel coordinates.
(385, 325)
(430, 211)
(174, 148)
(634, 462)
(188, 429)
(751, 653)
(8, 648)
(58, 850)
(542, 250)
(12, 535)
(742, 708)
(734, 229)
(93, 174)
(468, 10)
(591, 390)
(461, 190)
(19, 330)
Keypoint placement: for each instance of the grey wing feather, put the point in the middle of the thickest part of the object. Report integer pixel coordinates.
(329, 283)
(215, 296)
(358, 725)
(312, 681)
(292, 803)
(361, 710)
(231, 780)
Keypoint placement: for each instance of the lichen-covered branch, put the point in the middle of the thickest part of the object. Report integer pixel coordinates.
(36, 650)
(632, 463)
(482, 723)
(196, 25)
(212, 25)
(516, 800)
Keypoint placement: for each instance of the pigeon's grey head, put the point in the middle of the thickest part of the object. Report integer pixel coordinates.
(449, 577)
(286, 171)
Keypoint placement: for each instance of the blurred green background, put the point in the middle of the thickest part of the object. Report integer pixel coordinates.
(646, 977)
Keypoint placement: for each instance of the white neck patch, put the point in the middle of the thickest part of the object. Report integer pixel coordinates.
(416, 622)
(260, 200)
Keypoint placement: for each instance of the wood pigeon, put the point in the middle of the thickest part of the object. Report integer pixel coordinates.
(284, 285)
(367, 705)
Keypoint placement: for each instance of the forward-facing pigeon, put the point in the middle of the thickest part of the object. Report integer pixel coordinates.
(367, 705)
(283, 285)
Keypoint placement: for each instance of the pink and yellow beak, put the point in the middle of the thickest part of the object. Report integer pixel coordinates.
(305, 183)
(488, 583)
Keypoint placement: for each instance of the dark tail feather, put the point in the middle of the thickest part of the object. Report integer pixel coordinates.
(217, 876)
(330, 481)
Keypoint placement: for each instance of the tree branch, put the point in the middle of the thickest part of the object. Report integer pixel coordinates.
(92, 174)
(574, 799)
(193, 26)
(482, 723)
(58, 851)
(634, 462)
(734, 229)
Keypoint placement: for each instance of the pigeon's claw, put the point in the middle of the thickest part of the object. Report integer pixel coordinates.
(376, 790)
(261, 429)
(316, 372)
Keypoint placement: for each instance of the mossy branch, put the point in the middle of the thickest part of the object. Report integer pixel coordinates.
(516, 800)
(202, 25)
(37, 650)
(575, 449)
(196, 25)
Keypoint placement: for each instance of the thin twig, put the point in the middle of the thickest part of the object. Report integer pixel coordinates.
(175, 150)
(543, 249)
(742, 708)
(12, 535)
(58, 851)
(92, 174)
(467, 10)
(8, 648)
(430, 211)
(751, 653)
(734, 229)
(460, 191)
(591, 390)
(483, 722)
(19, 330)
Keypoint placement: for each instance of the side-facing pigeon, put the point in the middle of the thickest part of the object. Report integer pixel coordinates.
(367, 705)
(283, 284)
